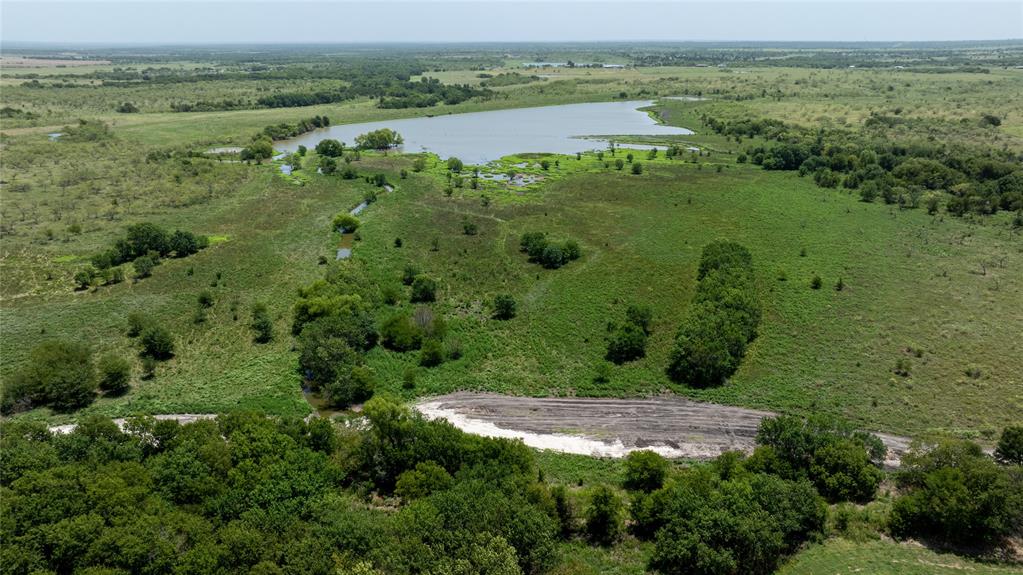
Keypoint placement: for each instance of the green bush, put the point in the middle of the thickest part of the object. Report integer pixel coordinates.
(432, 353)
(114, 374)
(626, 343)
(1010, 446)
(504, 307)
(398, 333)
(605, 517)
(58, 373)
(262, 326)
(157, 342)
(645, 471)
(424, 289)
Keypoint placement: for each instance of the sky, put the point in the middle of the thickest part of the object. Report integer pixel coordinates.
(295, 21)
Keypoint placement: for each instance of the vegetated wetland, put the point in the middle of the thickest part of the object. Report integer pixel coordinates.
(832, 243)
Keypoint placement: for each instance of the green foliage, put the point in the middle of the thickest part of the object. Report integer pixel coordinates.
(262, 326)
(956, 493)
(346, 222)
(330, 148)
(546, 253)
(432, 353)
(399, 333)
(712, 338)
(841, 463)
(157, 342)
(425, 479)
(605, 517)
(637, 168)
(424, 289)
(455, 165)
(58, 373)
(626, 343)
(504, 306)
(114, 374)
(1010, 446)
(645, 471)
(381, 139)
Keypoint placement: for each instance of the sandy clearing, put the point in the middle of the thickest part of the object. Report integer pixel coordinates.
(179, 417)
(670, 425)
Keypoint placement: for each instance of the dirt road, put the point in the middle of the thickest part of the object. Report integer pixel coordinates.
(672, 426)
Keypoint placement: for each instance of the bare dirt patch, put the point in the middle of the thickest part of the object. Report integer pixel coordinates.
(670, 425)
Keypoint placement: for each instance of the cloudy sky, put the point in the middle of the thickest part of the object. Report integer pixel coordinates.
(287, 21)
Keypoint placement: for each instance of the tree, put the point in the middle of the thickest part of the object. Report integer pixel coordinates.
(351, 384)
(1010, 446)
(424, 289)
(572, 250)
(553, 257)
(262, 326)
(137, 321)
(637, 168)
(330, 148)
(626, 343)
(114, 374)
(378, 140)
(533, 244)
(645, 471)
(816, 282)
(419, 164)
(84, 278)
(400, 334)
(157, 342)
(504, 306)
(706, 347)
(432, 353)
(426, 478)
(619, 164)
(183, 243)
(58, 373)
(143, 266)
(640, 316)
(324, 354)
(455, 165)
(605, 517)
(346, 222)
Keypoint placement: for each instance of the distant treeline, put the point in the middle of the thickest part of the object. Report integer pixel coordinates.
(910, 173)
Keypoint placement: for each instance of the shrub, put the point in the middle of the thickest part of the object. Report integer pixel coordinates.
(346, 222)
(816, 282)
(425, 479)
(205, 299)
(504, 307)
(324, 354)
(398, 333)
(330, 148)
(626, 343)
(143, 266)
(157, 342)
(432, 353)
(351, 384)
(114, 374)
(640, 316)
(645, 471)
(424, 289)
(533, 244)
(637, 168)
(605, 517)
(136, 323)
(58, 373)
(553, 257)
(262, 326)
(454, 164)
(409, 274)
(1010, 446)
(572, 250)
(956, 493)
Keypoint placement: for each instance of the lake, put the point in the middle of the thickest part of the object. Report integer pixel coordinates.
(481, 137)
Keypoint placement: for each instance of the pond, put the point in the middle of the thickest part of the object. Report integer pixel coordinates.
(481, 137)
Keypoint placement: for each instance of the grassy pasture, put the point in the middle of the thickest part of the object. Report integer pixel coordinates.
(884, 557)
(945, 287)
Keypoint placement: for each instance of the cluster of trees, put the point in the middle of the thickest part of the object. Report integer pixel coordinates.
(956, 494)
(144, 245)
(908, 174)
(334, 326)
(627, 339)
(65, 376)
(721, 320)
(246, 493)
(551, 255)
(262, 147)
(381, 139)
(391, 92)
(744, 514)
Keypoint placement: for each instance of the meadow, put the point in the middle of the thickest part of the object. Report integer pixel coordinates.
(922, 339)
